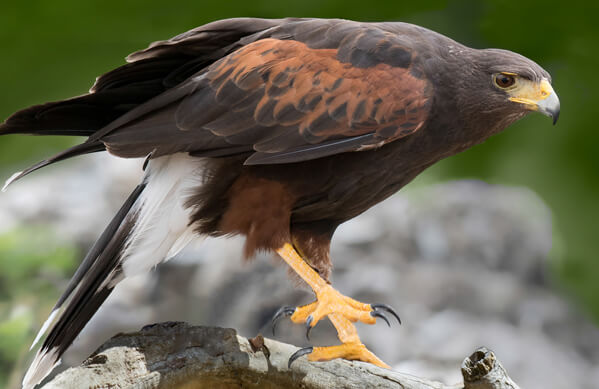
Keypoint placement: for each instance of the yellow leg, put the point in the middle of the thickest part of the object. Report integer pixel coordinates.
(340, 309)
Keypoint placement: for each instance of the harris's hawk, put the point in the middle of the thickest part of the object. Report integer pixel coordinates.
(279, 130)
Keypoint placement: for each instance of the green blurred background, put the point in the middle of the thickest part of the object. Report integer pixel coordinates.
(54, 49)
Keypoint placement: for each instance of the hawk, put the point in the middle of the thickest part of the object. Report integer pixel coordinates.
(278, 130)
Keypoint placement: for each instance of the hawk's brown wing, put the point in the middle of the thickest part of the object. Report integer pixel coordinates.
(285, 101)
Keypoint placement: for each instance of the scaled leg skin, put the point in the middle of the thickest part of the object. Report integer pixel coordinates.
(340, 309)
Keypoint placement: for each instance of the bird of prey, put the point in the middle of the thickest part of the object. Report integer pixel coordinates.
(278, 130)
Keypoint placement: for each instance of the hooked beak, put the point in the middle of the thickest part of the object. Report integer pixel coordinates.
(550, 107)
(539, 97)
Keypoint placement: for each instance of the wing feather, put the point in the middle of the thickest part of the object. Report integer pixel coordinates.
(283, 98)
(278, 91)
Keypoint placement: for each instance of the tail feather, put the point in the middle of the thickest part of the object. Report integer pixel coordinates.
(151, 226)
(81, 115)
(93, 281)
(94, 253)
(99, 246)
(83, 148)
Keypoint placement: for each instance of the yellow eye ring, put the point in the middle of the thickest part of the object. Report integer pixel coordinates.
(503, 80)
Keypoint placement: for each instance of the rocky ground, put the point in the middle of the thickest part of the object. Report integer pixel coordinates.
(464, 263)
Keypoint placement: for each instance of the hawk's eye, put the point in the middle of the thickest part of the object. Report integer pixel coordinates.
(504, 80)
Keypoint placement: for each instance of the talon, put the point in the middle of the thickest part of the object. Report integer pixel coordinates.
(353, 351)
(308, 326)
(387, 308)
(381, 315)
(299, 353)
(341, 310)
(283, 311)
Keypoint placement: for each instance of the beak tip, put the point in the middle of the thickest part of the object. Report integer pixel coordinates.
(550, 107)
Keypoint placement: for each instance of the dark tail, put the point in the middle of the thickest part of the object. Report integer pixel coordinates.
(78, 116)
(113, 95)
(93, 282)
(84, 148)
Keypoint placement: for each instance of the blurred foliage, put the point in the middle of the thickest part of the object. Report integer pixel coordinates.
(34, 265)
(55, 49)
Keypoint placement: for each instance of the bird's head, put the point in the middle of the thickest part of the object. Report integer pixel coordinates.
(502, 86)
(521, 83)
(532, 95)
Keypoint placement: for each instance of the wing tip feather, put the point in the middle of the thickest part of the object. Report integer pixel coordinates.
(11, 179)
(45, 327)
(44, 362)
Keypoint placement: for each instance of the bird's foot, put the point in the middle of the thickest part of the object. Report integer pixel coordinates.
(328, 301)
(342, 311)
(353, 351)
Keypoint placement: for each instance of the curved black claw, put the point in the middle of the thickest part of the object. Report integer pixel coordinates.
(283, 311)
(299, 353)
(380, 314)
(308, 326)
(387, 308)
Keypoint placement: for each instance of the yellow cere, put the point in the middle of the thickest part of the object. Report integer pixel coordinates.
(530, 93)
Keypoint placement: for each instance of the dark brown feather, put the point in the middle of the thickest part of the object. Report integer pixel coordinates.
(279, 97)
(301, 124)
